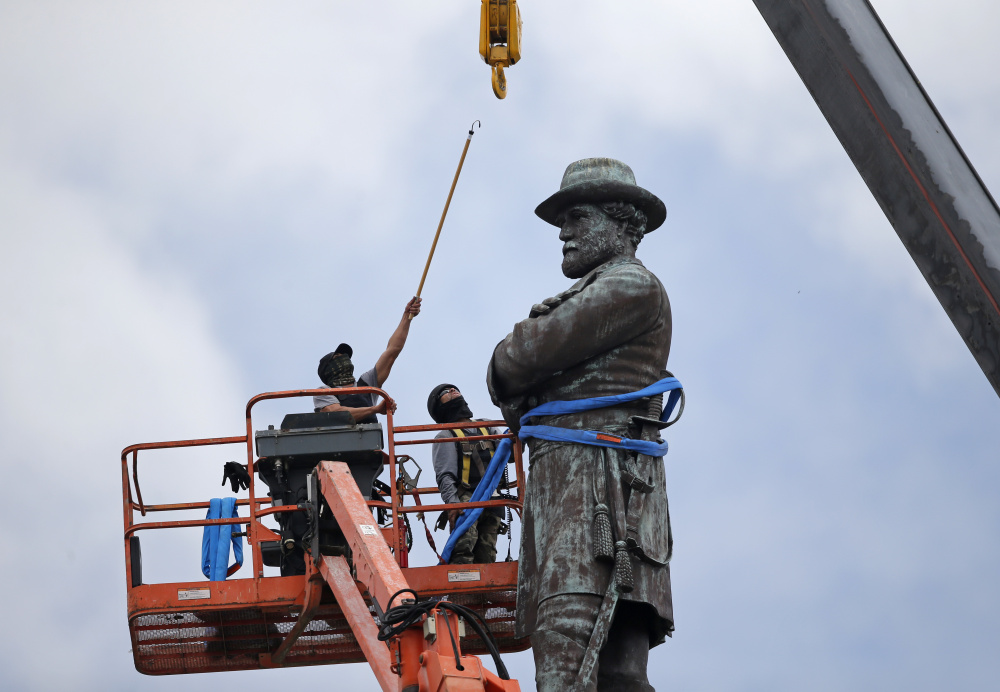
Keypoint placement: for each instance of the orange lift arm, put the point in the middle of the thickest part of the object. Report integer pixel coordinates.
(420, 658)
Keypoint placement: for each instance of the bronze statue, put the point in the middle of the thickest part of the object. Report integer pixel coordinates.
(608, 334)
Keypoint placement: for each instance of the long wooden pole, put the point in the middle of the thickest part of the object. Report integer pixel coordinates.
(444, 213)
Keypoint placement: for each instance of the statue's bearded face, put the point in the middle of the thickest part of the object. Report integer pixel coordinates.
(590, 238)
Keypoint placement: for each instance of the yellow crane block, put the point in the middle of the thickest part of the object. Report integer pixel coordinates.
(500, 39)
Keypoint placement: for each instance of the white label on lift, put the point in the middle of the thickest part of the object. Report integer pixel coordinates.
(193, 594)
(369, 530)
(464, 575)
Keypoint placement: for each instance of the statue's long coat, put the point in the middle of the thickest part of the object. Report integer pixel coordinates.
(608, 334)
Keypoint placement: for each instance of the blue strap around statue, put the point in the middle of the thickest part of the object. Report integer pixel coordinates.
(599, 439)
(216, 538)
(494, 472)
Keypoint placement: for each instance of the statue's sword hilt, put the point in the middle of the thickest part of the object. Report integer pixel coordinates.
(650, 425)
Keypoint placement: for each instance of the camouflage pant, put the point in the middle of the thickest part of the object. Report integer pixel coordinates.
(479, 544)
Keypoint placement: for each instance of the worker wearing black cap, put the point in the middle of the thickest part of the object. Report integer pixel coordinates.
(458, 469)
(337, 370)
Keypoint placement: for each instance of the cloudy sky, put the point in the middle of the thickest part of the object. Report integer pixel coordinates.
(198, 199)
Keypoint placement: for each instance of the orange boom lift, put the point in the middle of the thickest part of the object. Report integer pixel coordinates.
(419, 628)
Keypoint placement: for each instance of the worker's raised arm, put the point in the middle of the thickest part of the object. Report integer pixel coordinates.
(383, 366)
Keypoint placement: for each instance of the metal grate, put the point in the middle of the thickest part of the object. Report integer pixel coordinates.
(215, 640)
(498, 609)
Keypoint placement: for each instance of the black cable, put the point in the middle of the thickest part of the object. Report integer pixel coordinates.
(507, 514)
(409, 533)
(399, 618)
(477, 623)
(454, 646)
(379, 492)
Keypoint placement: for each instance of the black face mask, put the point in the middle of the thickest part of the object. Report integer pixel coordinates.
(455, 410)
(338, 372)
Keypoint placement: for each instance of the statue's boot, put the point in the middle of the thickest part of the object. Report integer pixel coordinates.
(557, 662)
(625, 656)
(564, 626)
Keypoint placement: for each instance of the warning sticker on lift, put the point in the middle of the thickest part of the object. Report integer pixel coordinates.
(193, 594)
(369, 530)
(464, 575)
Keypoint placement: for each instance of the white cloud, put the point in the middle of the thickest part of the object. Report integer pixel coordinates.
(96, 353)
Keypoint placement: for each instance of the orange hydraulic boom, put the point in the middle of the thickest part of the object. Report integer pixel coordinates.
(421, 656)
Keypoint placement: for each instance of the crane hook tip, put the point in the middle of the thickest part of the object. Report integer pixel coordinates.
(474, 123)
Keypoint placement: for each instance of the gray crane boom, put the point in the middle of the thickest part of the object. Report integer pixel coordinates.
(911, 162)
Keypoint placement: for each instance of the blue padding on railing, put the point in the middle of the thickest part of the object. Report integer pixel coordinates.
(216, 539)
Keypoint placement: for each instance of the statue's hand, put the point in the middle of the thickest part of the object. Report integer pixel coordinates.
(512, 409)
(538, 309)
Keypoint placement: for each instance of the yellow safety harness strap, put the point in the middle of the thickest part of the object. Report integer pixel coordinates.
(467, 454)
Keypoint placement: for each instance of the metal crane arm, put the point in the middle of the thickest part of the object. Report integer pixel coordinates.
(906, 154)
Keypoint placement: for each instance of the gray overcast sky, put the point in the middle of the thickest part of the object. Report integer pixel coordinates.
(197, 200)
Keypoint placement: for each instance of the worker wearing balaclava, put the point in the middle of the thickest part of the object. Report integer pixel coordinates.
(459, 468)
(453, 409)
(336, 370)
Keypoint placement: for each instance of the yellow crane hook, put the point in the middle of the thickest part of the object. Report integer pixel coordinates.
(500, 39)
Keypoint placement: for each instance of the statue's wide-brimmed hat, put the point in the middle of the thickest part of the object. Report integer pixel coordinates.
(601, 180)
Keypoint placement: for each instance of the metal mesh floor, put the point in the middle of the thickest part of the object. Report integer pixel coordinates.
(203, 641)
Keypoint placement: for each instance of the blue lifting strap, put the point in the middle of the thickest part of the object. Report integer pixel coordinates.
(215, 540)
(494, 472)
